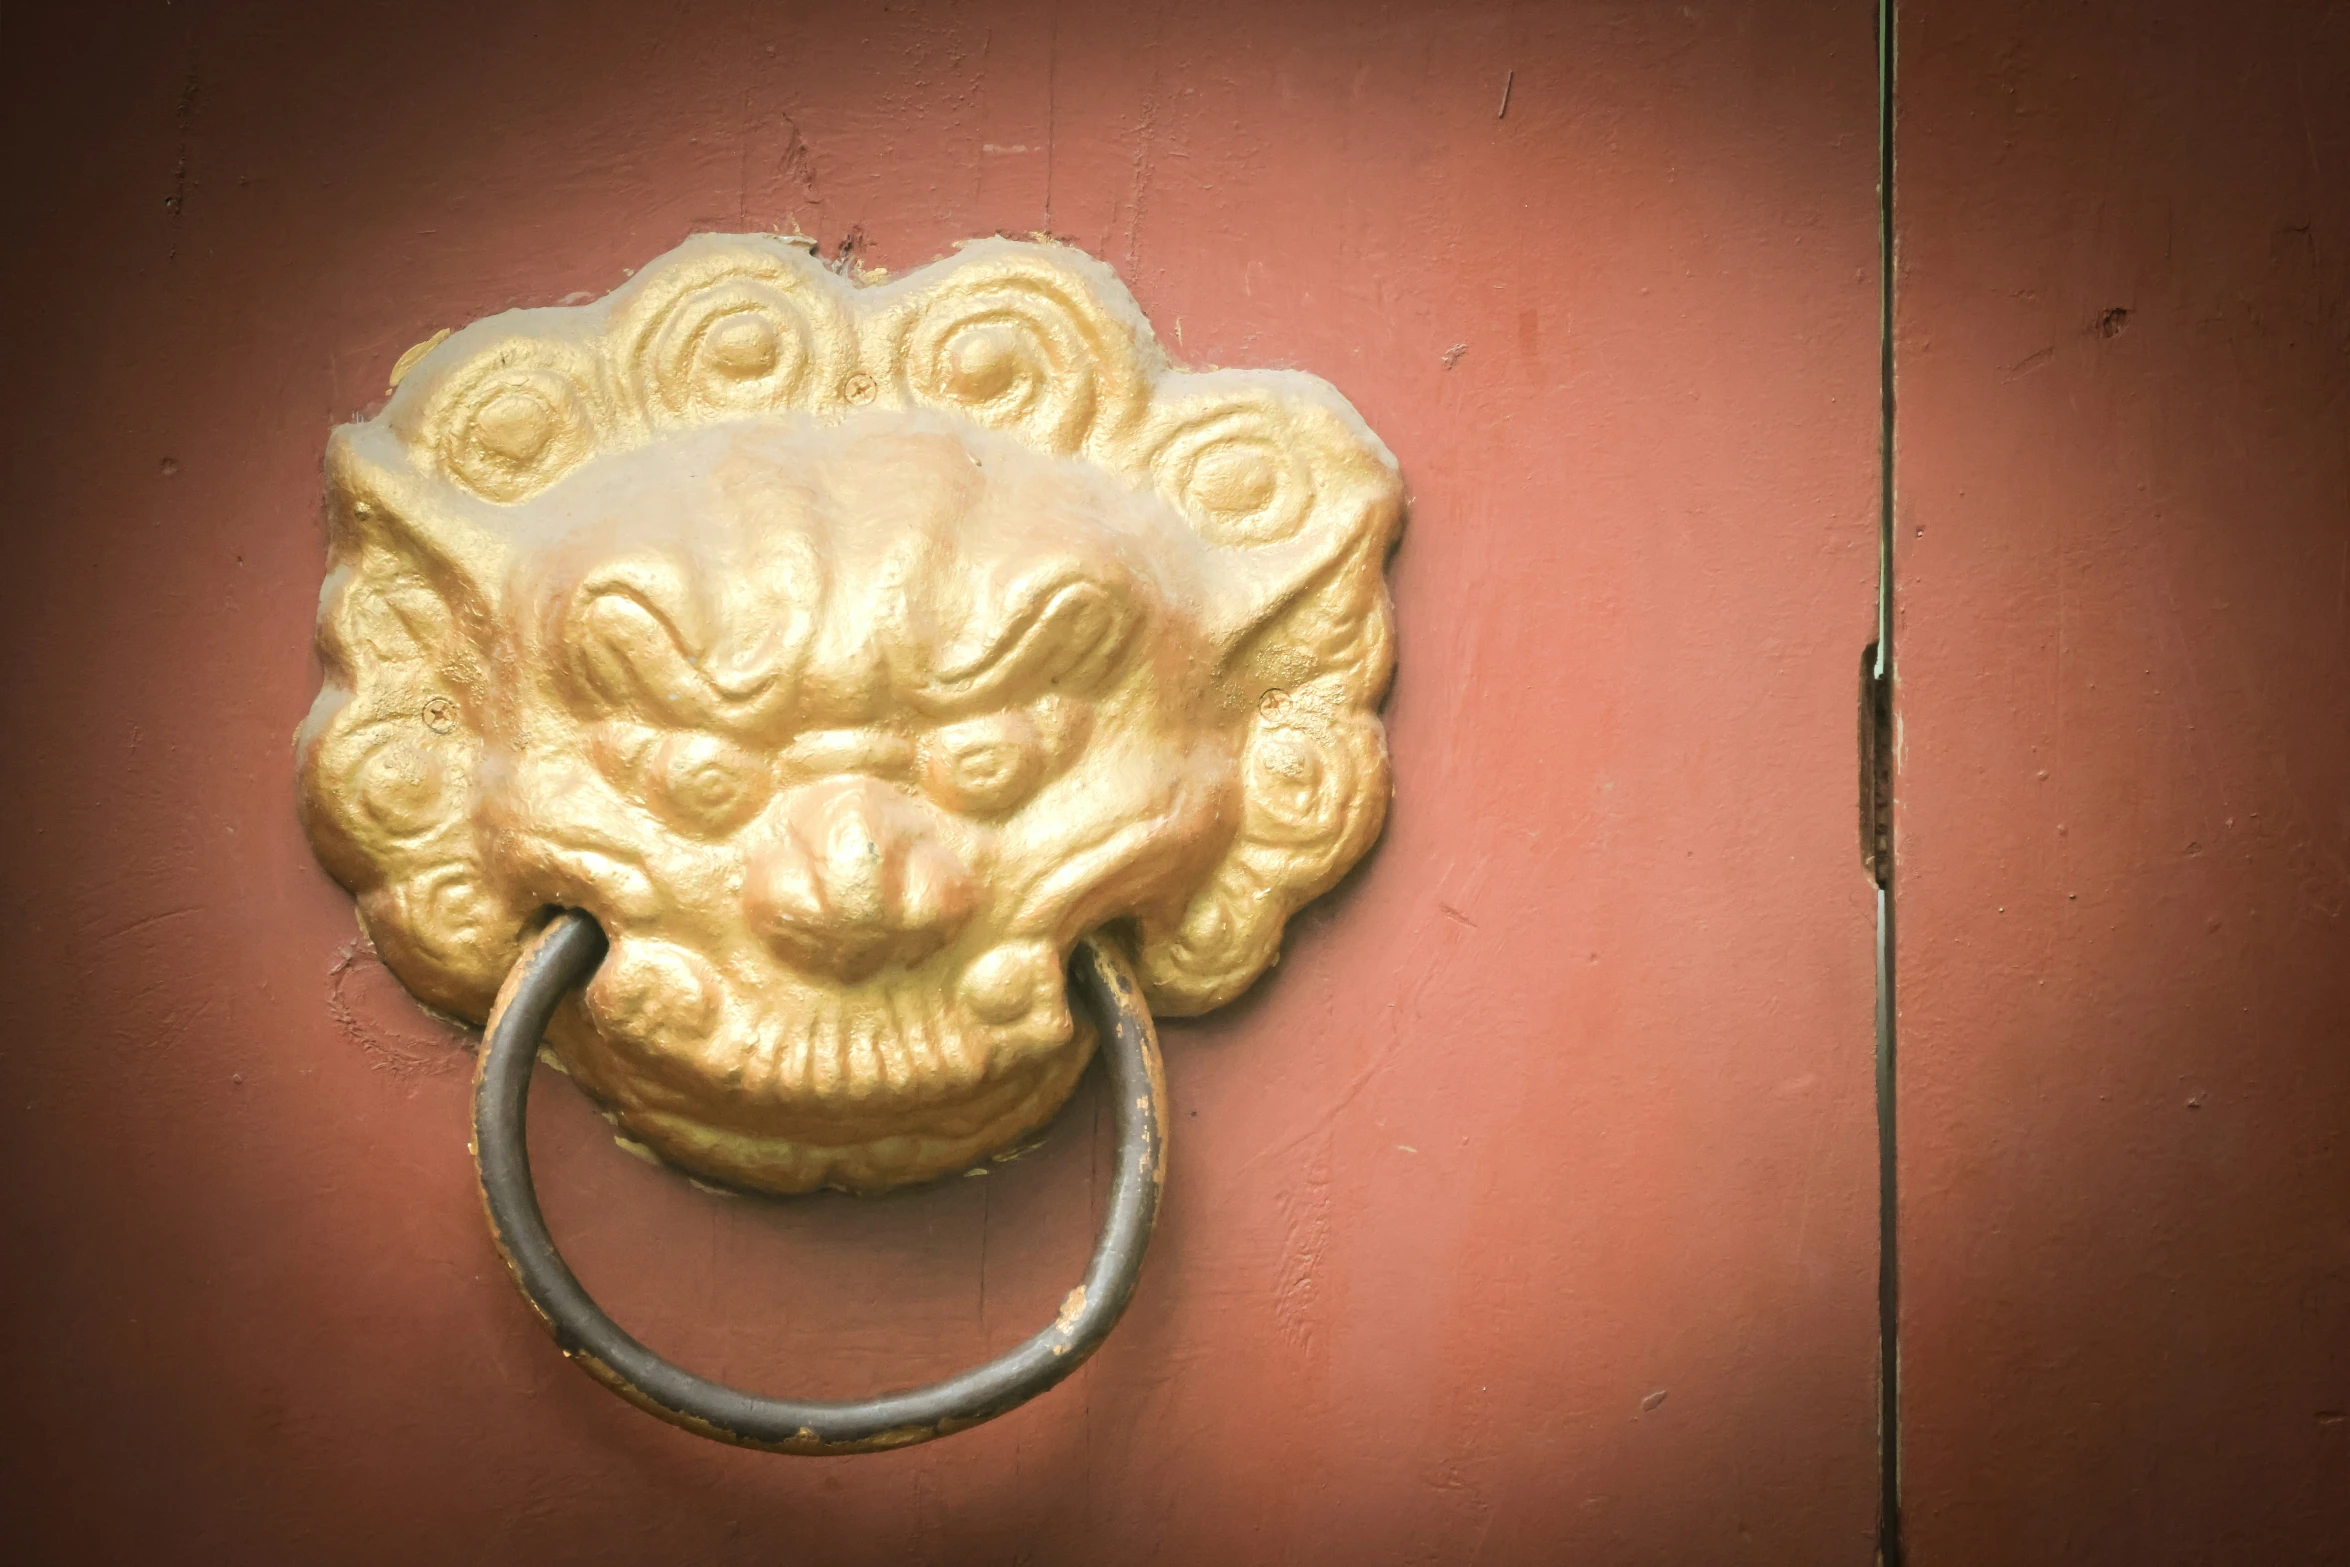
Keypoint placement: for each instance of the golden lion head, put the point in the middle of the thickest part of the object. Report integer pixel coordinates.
(849, 653)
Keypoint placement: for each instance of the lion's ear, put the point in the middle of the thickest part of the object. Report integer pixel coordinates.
(389, 751)
(1298, 504)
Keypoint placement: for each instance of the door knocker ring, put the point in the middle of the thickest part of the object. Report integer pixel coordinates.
(558, 962)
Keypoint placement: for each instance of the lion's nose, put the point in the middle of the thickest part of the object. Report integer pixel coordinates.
(856, 880)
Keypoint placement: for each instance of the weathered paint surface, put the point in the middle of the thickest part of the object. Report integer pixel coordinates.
(1527, 1211)
(2124, 801)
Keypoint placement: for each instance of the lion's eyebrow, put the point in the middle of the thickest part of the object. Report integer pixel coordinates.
(635, 640)
(1067, 630)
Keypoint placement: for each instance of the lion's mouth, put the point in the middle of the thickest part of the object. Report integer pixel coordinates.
(783, 1053)
(889, 1044)
(792, 1084)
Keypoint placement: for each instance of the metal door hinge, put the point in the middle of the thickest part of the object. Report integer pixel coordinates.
(1876, 768)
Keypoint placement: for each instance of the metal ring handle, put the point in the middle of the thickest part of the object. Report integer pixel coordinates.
(562, 957)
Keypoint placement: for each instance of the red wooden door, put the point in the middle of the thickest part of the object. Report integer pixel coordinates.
(2124, 795)
(1526, 1212)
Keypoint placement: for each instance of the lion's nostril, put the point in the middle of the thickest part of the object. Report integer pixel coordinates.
(935, 892)
(781, 884)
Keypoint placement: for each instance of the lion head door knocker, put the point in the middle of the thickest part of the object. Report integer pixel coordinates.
(788, 698)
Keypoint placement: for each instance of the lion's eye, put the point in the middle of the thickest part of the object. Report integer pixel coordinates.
(984, 766)
(704, 784)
